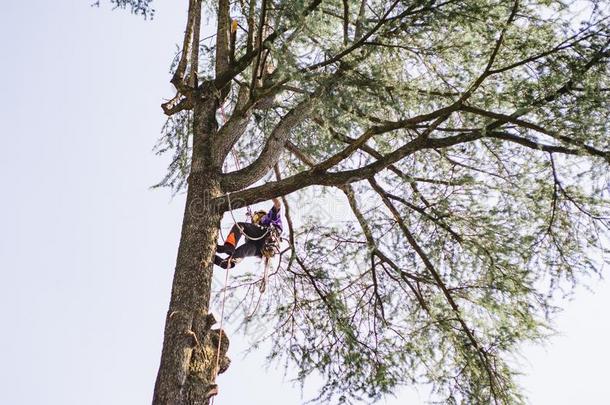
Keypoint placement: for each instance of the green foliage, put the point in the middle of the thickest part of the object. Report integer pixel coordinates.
(441, 276)
(176, 138)
(138, 7)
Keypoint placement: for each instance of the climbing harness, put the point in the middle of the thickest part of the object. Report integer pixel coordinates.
(271, 246)
(269, 250)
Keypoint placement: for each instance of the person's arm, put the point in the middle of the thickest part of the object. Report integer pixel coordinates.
(273, 213)
(273, 216)
(277, 203)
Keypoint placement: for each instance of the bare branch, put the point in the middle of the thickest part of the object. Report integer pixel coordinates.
(288, 217)
(177, 104)
(345, 22)
(346, 152)
(259, 43)
(311, 177)
(222, 37)
(251, 27)
(243, 62)
(234, 127)
(300, 155)
(192, 24)
(193, 81)
(393, 168)
(532, 144)
(360, 20)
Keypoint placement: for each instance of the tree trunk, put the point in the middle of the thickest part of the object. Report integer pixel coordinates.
(188, 360)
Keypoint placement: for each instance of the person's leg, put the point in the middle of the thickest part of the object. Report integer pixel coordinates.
(220, 262)
(250, 230)
(248, 249)
(232, 239)
(254, 231)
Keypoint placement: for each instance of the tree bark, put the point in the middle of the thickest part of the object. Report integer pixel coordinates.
(188, 360)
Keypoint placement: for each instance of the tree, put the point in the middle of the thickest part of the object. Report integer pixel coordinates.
(470, 140)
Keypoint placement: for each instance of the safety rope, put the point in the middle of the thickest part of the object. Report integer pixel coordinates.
(241, 229)
(229, 261)
(222, 317)
(265, 279)
(234, 154)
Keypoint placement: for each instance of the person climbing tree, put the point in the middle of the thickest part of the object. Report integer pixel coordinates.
(257, 233)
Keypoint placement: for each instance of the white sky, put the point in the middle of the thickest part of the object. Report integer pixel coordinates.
(87, 250)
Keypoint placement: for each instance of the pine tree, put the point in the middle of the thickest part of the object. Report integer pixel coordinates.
(469, 139)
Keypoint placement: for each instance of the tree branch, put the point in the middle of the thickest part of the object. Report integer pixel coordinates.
(483, 356)
(487, 72)
(243, 62)
(272, 150)
(503, 118)
(345, 21)
(187, 43)
(222, 37)
(356, 44)
(189, 55)
(311, 177)
(360, 20)
(177, 104)
(259, 40)
(193, 81)
(234, 127)
(369, 150)
(349, 193)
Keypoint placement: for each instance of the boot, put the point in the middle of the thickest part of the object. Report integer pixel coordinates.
(226, 248)
(220, 262)
(221, 249)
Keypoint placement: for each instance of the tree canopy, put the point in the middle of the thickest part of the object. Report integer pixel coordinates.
(470, 141)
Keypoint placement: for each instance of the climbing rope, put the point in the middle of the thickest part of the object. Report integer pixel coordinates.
(238, 167)
(265, 278)
(267, 260)
(241, 229)
(261, 289)
(234, 154)
(222, 317)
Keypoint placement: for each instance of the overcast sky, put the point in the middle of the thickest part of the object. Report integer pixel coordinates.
(87, 250)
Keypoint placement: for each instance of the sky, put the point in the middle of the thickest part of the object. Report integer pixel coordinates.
(87, 249)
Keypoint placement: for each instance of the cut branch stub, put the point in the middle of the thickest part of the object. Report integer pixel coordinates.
(202, 371)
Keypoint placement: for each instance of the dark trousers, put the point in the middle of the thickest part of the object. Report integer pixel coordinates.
(248, 249)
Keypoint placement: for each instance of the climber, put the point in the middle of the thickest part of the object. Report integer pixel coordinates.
(256, 233)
